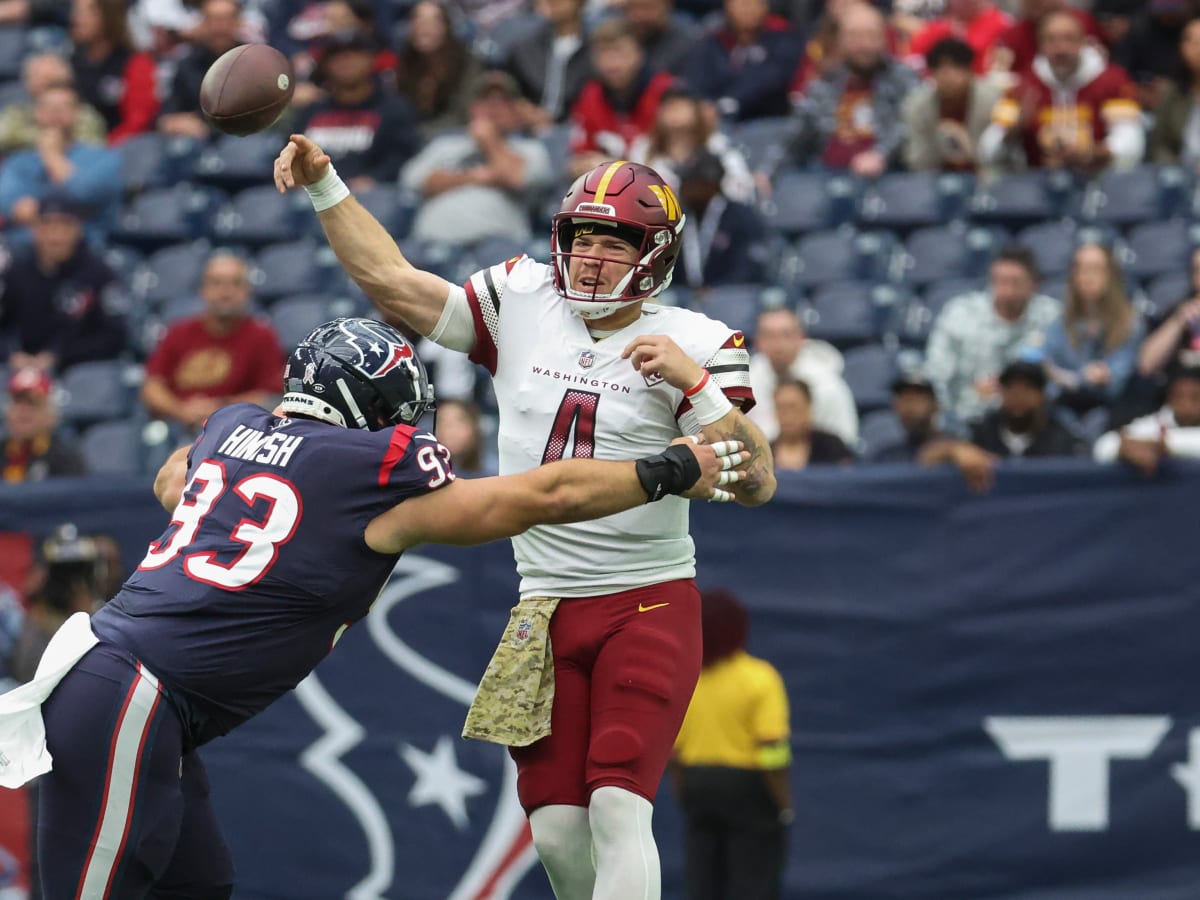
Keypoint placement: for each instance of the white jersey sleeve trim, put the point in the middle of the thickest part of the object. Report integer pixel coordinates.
(455, 330)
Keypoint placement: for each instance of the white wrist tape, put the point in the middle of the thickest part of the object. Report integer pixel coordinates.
(709, 402)
(328, 191)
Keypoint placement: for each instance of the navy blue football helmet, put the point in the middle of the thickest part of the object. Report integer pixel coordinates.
(357, 373)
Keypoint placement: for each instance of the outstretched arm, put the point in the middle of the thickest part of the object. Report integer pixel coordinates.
(475, 511)
(363, 246)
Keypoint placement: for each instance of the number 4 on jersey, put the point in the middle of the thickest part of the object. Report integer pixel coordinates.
(577, 413)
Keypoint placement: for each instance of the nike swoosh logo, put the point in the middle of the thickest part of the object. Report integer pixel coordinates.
(642, 608)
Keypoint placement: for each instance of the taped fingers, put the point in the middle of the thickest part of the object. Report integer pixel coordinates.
(730, 462)
(720, 496)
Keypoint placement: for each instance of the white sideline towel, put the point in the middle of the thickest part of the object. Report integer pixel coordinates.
(23, 753)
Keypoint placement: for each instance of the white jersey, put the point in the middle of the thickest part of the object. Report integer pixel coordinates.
(562, 394)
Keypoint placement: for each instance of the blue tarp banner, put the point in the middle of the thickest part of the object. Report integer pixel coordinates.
(992, 697)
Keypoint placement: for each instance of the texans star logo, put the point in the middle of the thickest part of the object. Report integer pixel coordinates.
(396, 355)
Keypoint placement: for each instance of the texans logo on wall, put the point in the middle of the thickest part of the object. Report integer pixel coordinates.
(359, 785)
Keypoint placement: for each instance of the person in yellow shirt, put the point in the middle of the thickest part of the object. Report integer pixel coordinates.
(731, 765)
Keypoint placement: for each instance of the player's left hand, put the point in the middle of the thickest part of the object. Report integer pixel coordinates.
(720, 465)
(657, 354)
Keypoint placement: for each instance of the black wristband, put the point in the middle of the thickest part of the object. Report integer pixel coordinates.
(671, 472)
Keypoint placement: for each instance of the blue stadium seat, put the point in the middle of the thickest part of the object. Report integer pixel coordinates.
(164, 216)
(840, 255)
(1168, 290)
(145, 162)
(1123, 198)
(557, 140)
(765, 143)
(295, 267)
(843, 313)
(96, 392)
(113, 448)
(259, 215)
(878, 429)
(294, 318)
(495, 46)
(182, 307)
(737, 305)
(171, 273)
(12, 93)
(935, 253)
(1157, 248)
(124, 261)
(869, 372)
(1055, 286)
(12, 51)
(1013, 200)
(905, 200)
(232, 163)
(391, 206)
(808, 201)
(1052, 243)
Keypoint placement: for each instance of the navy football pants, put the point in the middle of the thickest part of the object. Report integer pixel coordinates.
(124, 814)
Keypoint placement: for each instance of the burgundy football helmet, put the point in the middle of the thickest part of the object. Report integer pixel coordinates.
(637, 205)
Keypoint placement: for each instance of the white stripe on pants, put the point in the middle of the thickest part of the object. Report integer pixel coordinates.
(123, 763)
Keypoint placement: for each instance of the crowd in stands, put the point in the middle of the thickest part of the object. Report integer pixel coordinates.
(953, 231)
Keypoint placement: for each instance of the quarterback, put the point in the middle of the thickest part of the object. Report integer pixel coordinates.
(592, 678)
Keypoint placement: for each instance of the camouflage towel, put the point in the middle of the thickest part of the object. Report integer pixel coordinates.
(515, 696)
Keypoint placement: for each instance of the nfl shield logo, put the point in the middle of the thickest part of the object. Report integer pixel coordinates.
(523, 629)
(586, 358)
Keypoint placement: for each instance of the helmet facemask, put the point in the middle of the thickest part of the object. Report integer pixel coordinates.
(655, 250)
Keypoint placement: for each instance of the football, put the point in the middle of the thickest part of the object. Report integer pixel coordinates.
(247, 89)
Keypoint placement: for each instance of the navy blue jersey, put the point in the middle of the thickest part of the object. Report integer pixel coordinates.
(264, 563)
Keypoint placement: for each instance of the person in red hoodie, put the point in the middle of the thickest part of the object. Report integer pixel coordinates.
(616, 110)
(110, 74)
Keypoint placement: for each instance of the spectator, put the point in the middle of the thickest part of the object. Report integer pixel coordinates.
(851, 118)
(1174, 340)
(1073, 110)
(798, 444)
(945, 117)
(460, 429)
(784, 353)
(487, 14)
(480, 183)
(731, 762)
(745, 66)
(1024, 425)
(18, 122)
(977, 333)
(89, 175)
(822, 52)
(666, 40)
(552, 64)
(220, 23)
(1014, 51)
(55, 296)
(977, 23)
(1150, 52)
(1115, 18)
(436, 69)
(369, 130)
(728, 240)
(34, 448)
(1175, 139)
(1172, 431)
(616, 110)
(685, 124)
(111, 75)
(70, 577)
(1092, 350)
(915, 404)
(222, 356)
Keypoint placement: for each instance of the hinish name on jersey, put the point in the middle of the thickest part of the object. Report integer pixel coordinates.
(250, 444)
(581, 379)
